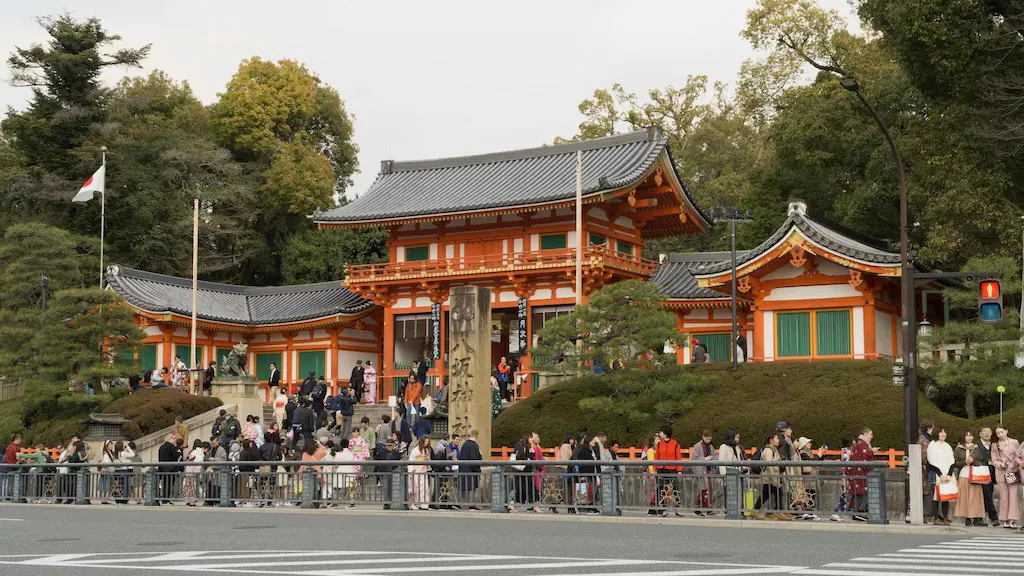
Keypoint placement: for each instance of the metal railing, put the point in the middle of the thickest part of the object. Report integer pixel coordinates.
(733, 490)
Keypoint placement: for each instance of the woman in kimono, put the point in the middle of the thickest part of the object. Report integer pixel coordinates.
(370, 383)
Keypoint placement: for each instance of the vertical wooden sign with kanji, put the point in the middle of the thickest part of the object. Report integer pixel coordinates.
(469, 350)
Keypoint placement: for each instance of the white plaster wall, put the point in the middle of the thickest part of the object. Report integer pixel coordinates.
(570, 240)
(624, 222)
(507, 296)
(517, 245)
(722, 314)
(564, 292)
(769, 336)
(883, 332)
(598, 213)
(785, 271)
(433, 250)
(400, 254)
(542, 214)
(750, 344)
(423, 301)
(484, 220)
(813, 292)
(511, 218)
(321, 333)
(534, 242)
(153, 331)
(427, 226)
(182, 332)
(830, 268)
(504, 246)
(542, 294)
(351, 333)
(858, 332)
(565, 212)
(459, 222)
(402, 303)
(449, 251)
(276, 337)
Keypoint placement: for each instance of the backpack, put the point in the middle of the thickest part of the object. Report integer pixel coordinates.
(218, 427)
(331, 404)
(755, 470)
(233, 428)
(319, 391)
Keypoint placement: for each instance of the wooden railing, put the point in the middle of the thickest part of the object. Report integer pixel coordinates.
(893, 457)
(542, 259)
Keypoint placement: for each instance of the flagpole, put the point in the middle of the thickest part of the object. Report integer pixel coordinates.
(192, 379)
(579, 252)
(103, 213)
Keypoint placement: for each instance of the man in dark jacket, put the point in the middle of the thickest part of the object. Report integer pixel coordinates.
(346, 402)
(304, 424)
(355, 381)
(469, 474)
(421, 372)
(307, 386)
(168, 475)
(289, 411)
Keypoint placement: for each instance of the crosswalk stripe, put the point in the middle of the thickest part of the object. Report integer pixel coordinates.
(229, 556)
(827, 572)
(360, 561)
(889, 568)
(481, 567)
(948, 552)
(921, 560)
(704, 572)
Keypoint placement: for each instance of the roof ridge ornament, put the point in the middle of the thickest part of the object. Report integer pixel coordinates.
(385, 166)
(797, 208)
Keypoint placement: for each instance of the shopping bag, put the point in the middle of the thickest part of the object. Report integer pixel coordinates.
(980, 475)
(947, 492)
(750, 499)
(581, 493)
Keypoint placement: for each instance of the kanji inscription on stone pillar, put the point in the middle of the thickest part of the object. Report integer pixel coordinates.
(469, 362)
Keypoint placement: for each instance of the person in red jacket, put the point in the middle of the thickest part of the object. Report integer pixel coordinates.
(668, 476)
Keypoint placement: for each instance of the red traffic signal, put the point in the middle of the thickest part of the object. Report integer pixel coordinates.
(990, 301)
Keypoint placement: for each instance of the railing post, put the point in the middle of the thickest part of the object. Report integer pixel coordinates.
(227, 487)
(609, 491)
(498, 491)
(150, 488)
(82, 486)
(398, 490)
(733, 495)
(876, 497)
(18, 486)
(308, 488)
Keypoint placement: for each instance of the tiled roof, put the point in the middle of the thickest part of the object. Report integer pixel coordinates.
(818, 233)
(674, 275)
(234, 304)
(506, 179)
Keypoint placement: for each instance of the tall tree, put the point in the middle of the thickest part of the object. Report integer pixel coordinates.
(322, 255)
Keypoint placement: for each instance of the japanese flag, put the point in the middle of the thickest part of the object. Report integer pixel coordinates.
(93, 184)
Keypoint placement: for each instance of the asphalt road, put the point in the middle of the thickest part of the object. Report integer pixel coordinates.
(96, 540)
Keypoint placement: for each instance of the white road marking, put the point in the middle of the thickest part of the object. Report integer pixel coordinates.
(967, 557)
(891, 568)
(12, 519)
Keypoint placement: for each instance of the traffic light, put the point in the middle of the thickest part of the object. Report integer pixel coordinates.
(990, 301)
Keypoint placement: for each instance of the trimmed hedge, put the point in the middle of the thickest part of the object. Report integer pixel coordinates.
(823, 400)
(53, 419)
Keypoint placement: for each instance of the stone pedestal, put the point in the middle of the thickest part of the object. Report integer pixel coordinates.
(469, 365)
(243, 392)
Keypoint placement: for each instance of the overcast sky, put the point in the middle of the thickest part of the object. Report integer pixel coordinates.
(426, 79)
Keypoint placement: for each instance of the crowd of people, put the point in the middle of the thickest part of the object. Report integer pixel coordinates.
(978, 481)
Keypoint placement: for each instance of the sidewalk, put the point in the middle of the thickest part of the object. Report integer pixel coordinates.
(797, 525)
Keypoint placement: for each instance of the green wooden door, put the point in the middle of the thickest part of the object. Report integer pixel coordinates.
(717, 346)
(793, 334)
(147, 357)
(222, 357)
(181, 351)
(263, 361)
(833, 332)
(312, 361)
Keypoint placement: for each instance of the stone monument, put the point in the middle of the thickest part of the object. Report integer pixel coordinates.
(234, 385)
(469, 365)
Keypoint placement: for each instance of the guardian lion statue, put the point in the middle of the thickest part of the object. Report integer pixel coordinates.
(237, 360)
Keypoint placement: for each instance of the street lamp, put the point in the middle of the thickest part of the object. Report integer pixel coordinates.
(732, 216)
(906, 280)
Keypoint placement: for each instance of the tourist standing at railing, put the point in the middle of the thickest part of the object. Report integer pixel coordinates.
(419, 481)
(194, 490)
(805, 492)
(565, 450)
(650, 482)
(928, 481)
(585, 475)
(1004, 459)
(861, 451)
(967, 458)
(537, 454)
(985, 444)
(167, 453)
(940, 462)
(668, 476)
(704, 451)
(106, 470)
(771, 492)
(731, 450)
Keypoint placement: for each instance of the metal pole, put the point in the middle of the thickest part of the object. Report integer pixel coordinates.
(103, 212)
(907, 291)
(732, 232)
(195, 287)
(579, 252)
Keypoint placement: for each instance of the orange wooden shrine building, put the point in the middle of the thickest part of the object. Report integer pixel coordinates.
(506, 221)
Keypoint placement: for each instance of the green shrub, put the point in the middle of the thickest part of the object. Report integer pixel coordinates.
(151, 410)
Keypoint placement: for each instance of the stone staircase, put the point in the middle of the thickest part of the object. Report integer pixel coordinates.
(371, 411)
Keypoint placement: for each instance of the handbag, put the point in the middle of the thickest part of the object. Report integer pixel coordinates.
(1011, 477)
(519, 467)
(980, 475)
(947, 492)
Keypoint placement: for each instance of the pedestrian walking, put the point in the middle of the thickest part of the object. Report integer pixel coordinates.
(771, 480)
(928, 479)
(1004, 460)
(985, 438)
(419, 480)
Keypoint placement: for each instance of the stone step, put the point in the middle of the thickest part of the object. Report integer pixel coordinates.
(371, 411)
(268, 415)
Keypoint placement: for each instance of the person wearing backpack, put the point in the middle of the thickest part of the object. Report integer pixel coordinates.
(346, 401)
(318, 395)
(232, 429)
(771, 490)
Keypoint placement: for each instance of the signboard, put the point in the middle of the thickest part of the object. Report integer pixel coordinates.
(435, 330)
(523, 336)
(392, 401)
